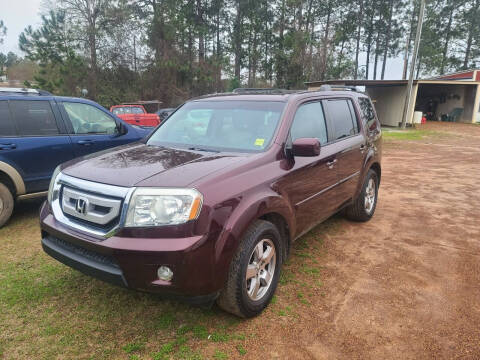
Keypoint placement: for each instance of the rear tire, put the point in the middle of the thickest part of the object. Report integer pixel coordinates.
(6, 204)
(254, 271)
(364, 206)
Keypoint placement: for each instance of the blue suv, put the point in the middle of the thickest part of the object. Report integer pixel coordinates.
(39, 131)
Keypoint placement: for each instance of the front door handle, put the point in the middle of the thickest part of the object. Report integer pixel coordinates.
(8, 146)
(85, 142)
(362, 148)
(330, 164)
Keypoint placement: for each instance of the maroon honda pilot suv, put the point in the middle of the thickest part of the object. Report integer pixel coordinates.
(208, 206)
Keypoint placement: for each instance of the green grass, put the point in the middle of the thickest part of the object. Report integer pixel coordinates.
(200, 332)
(241, 350)
(78, 317)
(133, 347)
(220, 355)
(165, 349)
(310, 270)
(219, 337)
(411, 134)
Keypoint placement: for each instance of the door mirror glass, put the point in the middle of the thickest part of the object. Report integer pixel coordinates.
(306, 147)
(121, 129)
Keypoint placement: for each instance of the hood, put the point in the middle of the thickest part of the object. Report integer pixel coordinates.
(136, 164)
(142, 131)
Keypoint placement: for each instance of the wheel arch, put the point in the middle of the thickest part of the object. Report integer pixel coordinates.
(371, 162)
(270, 207)
(378, 169)
(12, 178)
(282, 225)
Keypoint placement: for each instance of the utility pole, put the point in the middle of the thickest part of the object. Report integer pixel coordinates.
(134, 53)
(413, 64)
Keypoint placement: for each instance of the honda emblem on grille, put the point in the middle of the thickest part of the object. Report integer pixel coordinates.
(81, 206)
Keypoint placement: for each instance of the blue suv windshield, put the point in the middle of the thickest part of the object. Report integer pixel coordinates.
(242, 126)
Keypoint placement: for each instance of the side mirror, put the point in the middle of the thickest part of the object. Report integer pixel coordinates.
(121, 129)
(306, 147)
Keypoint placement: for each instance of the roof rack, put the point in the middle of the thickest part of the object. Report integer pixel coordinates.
(23, 91)
(262, 91)
(327, 87)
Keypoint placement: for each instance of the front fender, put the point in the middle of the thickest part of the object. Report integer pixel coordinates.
(248, 209)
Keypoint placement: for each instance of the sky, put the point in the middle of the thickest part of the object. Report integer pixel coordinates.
(18, 14)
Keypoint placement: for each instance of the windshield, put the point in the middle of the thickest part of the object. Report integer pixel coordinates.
(221, 125)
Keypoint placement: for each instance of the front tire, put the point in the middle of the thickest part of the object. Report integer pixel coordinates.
(6, 204)
(254, 271)
(364, 206)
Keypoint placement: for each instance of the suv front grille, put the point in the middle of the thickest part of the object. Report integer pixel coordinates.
(97, 209)
(87, 206)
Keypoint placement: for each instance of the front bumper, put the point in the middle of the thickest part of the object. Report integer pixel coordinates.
(133, 261)
(88, 262)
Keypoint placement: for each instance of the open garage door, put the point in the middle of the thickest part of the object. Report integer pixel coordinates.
(447, 102)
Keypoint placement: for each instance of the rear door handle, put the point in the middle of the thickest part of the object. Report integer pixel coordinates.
(85, 142)
(363, 147)
(330, 164)
(8, 146)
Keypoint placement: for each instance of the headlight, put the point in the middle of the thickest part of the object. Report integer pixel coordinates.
(163, 206)
(52, 182)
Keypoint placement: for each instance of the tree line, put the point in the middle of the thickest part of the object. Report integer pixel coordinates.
(171, 50)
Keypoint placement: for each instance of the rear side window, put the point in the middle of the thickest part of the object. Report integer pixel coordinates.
(34, 118)
(368, 114)
(309, 122)
(127, 110)
(343, 118)
(7, 128)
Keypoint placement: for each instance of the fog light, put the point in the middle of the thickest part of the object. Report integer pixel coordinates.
(164, 273)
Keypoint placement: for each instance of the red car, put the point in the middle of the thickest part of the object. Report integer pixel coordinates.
(209, 205)
(135, 115)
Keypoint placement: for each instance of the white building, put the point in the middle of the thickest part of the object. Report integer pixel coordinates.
(457, 95)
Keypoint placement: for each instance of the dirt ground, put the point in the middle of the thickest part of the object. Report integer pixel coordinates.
(405, 285)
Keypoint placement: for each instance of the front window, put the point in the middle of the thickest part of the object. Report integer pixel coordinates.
(244, 126)
(87, 119)
(309, 122)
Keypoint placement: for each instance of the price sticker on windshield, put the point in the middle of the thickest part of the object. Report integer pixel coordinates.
(259, 142)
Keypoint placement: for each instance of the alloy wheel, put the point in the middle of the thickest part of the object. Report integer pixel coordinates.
(370, 194)
(260, 269)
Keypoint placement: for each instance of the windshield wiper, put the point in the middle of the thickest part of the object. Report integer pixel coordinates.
(196, 148)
